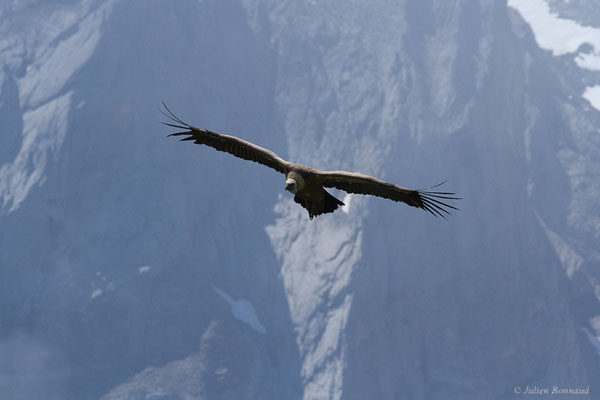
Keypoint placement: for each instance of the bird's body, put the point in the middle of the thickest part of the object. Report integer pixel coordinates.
(308, 184)
(308, 190)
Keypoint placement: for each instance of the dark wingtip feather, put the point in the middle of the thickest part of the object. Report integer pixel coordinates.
(176, 122)
(169, 114)
(431, 201)
(439, 184)
(174, 125)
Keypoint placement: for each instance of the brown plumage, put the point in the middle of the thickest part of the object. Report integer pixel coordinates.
(308, 184)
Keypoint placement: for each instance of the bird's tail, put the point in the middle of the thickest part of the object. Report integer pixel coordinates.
(331, 203)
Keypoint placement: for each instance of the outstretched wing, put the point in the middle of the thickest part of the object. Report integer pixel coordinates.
(230, 144)
(363, 184)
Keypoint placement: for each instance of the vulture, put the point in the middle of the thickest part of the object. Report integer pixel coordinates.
(308, 184)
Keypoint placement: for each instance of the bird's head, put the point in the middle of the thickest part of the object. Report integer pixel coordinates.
(291, 185)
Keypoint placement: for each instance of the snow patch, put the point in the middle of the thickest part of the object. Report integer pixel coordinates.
(588, 61)
(592, 94)
(242, 310)
(144, 269)
(562, 36)
(558, 35)
(96, 293)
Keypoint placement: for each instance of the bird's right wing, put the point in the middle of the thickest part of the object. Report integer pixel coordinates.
(351, 182)
(230, 144)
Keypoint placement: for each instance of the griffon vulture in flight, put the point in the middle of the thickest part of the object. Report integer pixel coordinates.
(308, 184)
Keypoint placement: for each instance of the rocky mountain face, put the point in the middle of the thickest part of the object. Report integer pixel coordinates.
(136, 267)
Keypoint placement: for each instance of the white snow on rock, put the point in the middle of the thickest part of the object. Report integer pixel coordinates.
(49, 62)
(588, 61)
(242, 310)
(144, 269)
(558, 35)
(562, 36)
(592, 94)
(53, 66)
(44, 130)
(317, 262)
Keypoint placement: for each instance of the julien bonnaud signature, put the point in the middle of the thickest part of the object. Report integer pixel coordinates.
(555, 390)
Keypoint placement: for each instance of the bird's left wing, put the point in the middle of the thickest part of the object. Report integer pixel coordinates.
(351, 182)
(230, 144)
